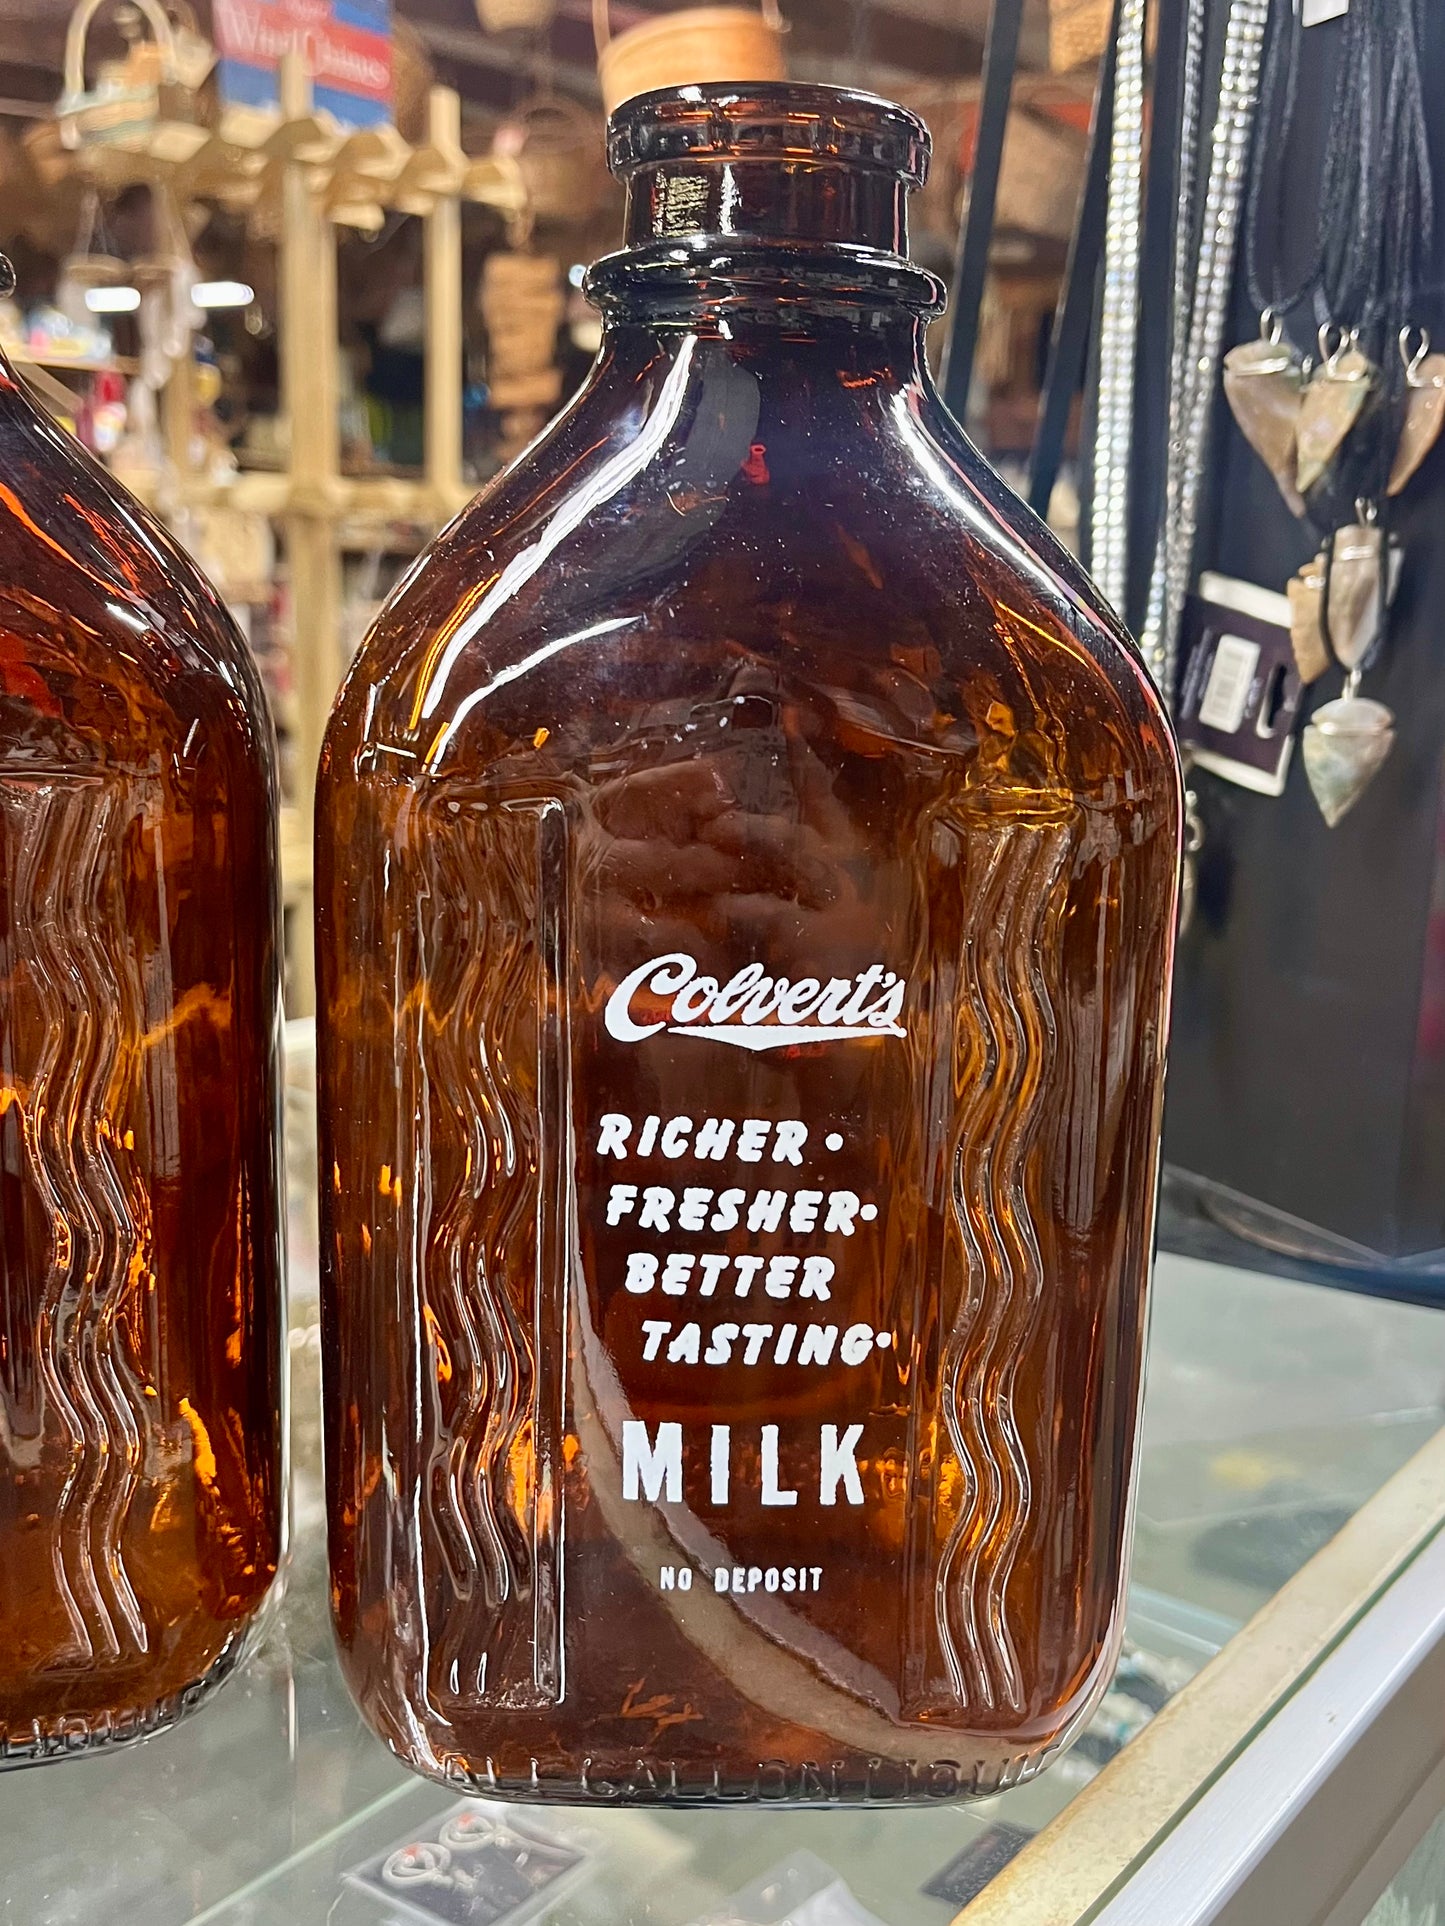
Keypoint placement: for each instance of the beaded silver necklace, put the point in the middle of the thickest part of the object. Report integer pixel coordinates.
(1202, 284)
(1119, 315)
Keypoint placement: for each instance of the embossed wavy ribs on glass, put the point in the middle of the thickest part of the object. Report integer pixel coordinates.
(1004, 1052)
(485, 1044)
(72, 961)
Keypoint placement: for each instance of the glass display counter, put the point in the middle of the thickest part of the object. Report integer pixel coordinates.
(1272, 1750)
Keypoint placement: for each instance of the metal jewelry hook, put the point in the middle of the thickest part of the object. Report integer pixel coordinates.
(1414, 358)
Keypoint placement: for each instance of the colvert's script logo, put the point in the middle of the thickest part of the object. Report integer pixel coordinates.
(751, 1010)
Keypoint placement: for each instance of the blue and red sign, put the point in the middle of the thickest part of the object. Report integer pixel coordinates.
(346, 45)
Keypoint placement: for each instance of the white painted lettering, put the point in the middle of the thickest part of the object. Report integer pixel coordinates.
(747, 1269)
(817, 1345)
(711, 1268)
(641, 1272)
(720, 1345)
(720, 1463)
(725, 1217)
(774, 1492)
(782, 1272)
(817, 1274)
(765, 1213)
(685, 1346)
(620, 1201)
(692, 1213)
(677, 1272)
(651, 1469)
(857, 1343)
(656, 1213)
(713, 1139)
(838, 1465)
(803, 1216)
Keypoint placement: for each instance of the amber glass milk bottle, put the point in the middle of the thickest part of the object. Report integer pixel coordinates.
(747, 880)
(140, 1282)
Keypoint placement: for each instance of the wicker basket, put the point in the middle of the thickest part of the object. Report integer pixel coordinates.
(519, 280)
(412, 79)
(146, 102)
(514, 16)
(1078, 32)
(191, 53)
(1043, 166)
(46, 152)
(542, 389)
(683, 48)
(522, 304)
(557, 146)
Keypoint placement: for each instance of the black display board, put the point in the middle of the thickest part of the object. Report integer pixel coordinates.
(1308, 1062)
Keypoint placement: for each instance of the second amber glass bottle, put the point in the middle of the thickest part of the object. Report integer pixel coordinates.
(747, 863)
(141, 1301)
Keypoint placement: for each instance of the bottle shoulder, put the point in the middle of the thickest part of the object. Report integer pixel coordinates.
(607, 574)
(108, 630)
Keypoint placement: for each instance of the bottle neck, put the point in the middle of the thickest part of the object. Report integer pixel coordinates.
(724, 242)
(738, 201)
(858, 352)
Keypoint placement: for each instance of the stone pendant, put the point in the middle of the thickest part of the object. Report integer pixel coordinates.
(1263, 383)
(1354, 612)
(1424, 418)
(1306, 632)
(1331, 406)
(1345, 743)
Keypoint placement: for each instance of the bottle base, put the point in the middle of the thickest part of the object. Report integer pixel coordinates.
(773, 1782)
(79, 1736)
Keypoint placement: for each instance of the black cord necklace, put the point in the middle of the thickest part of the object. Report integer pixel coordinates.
(1377, 194)
(1279, 92)
(1374, 206)
(1343, 434)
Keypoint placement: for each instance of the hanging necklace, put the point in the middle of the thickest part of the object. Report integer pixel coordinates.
(1264, 380)
(1344, 425)
(1119, 316)
(1204, 260)
(1204, 273)
(1373, 216)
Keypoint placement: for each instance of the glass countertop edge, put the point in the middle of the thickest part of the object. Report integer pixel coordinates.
(1083, 1858)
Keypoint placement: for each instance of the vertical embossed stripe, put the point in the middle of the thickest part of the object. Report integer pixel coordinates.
(1004, 1043)
(493, 1491)
(69, 929)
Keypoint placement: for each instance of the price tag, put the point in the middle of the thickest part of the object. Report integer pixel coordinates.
(1231, 676)
(1314, 13)
(1240, 694)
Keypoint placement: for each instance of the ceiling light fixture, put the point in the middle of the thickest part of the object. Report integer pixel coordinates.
(223, 294)
(112, 300)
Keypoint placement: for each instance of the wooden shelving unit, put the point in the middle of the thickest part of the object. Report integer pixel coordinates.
(119, 364)
(297, 177)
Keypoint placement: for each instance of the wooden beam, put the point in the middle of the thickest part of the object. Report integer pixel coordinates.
(444, 297)
(309, 399)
